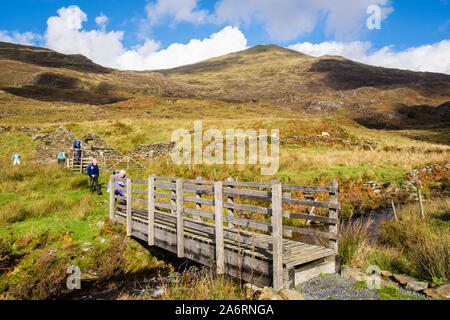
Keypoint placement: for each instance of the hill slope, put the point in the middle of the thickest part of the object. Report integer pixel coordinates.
(375, 96)
(46, 75)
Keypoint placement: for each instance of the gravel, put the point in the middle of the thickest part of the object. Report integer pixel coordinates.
(335, 287)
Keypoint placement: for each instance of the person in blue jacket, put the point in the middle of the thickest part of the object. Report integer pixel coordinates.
(94, 172)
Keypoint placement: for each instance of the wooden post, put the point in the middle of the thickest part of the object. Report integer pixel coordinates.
(151, 211)
(422, 213)
(81, 165)
(68, 163)
(394, 210)
(230, 200)
(112, 200)
(277, 237)
(172, 202)
(180, 222)
(129, 219)
(218, 212)
(333, 213)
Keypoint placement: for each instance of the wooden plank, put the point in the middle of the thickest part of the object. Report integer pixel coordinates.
(333, 213)
(165, 206)
(310, 203)
(290, 187)
(309, 232)
(180, 224)
(138, 191)
(200, 213)
(303, 216)
(245, 207)
(111, 198)
(165, 195)
(151, 211)
(277, 237)
(208, 202)
(129, 207)
(218, 210)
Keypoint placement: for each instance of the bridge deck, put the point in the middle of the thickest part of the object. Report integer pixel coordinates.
(294, 254)
(229, 228)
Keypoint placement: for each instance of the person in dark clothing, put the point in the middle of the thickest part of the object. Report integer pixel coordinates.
(94, 172)
(77, 150)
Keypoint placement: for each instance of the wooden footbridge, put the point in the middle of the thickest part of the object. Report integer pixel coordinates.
(245, 230)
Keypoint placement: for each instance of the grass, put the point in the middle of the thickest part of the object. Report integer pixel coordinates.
(46, 219)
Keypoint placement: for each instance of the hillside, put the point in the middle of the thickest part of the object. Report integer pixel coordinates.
(376, 97)
(46, 75)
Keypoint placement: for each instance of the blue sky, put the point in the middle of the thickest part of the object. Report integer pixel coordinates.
(141, 34)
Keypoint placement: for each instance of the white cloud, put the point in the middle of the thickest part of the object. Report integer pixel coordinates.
(27, 38)
(176, 10)
(65, 34)
(101, 21)
(292, 18)
(432, 58)
(228, 40)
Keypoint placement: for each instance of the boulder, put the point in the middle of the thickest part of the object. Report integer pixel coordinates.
(416, 286)
(388, 283)
(386, 273)
(289, 294)
(444, 291)
(353, 273)
(403, 279)
(268, 293)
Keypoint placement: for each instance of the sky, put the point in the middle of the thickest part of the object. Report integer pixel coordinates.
(160, 34)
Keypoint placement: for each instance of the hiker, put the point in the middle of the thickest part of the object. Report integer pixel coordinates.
(77, 149)
(120, 185)
(16, 159)
(61, 157)
(94, 172)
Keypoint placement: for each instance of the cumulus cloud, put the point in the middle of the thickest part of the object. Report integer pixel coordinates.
(27, 38)
(177, 11)
(292, 18)
(433, 58)
(101, 21)
(65, 34)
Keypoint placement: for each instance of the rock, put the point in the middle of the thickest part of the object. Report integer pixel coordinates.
(386, 273)
(268, 293)
(289, 294)
(432, 294)
(403, 279)
(388, 283)
(353, 273)
(100, 224)
(444, 291)
(38, 136)
(416, 286)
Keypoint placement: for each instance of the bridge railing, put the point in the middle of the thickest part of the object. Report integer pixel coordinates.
(200, 205)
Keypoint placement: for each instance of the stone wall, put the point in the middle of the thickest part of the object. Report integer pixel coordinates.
(153, 150)
(95, 147)
(59, 140)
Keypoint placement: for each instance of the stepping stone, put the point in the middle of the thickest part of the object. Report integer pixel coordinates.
(403, 279)
(416, 286)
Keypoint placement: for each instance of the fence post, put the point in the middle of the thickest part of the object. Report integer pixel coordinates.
(112, 200)
(230, 200)
(218, 213)
(129, 219)
(151, 211)
(422, 213)
(172, 202)
(180, 220)
(394, 209)
(277, 237)
(333, 213)
(81, 165)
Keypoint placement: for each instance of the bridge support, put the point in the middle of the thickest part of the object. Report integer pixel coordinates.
(151, 210)
(218, 213)
(277, 237)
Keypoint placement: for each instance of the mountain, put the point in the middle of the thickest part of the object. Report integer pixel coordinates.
(46, 75)
(374, 96)
(267, 74)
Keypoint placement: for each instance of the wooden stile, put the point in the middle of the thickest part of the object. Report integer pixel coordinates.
(151, 211)
(218, 210)
(277, 237)
(180, 223)
(129, 205)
